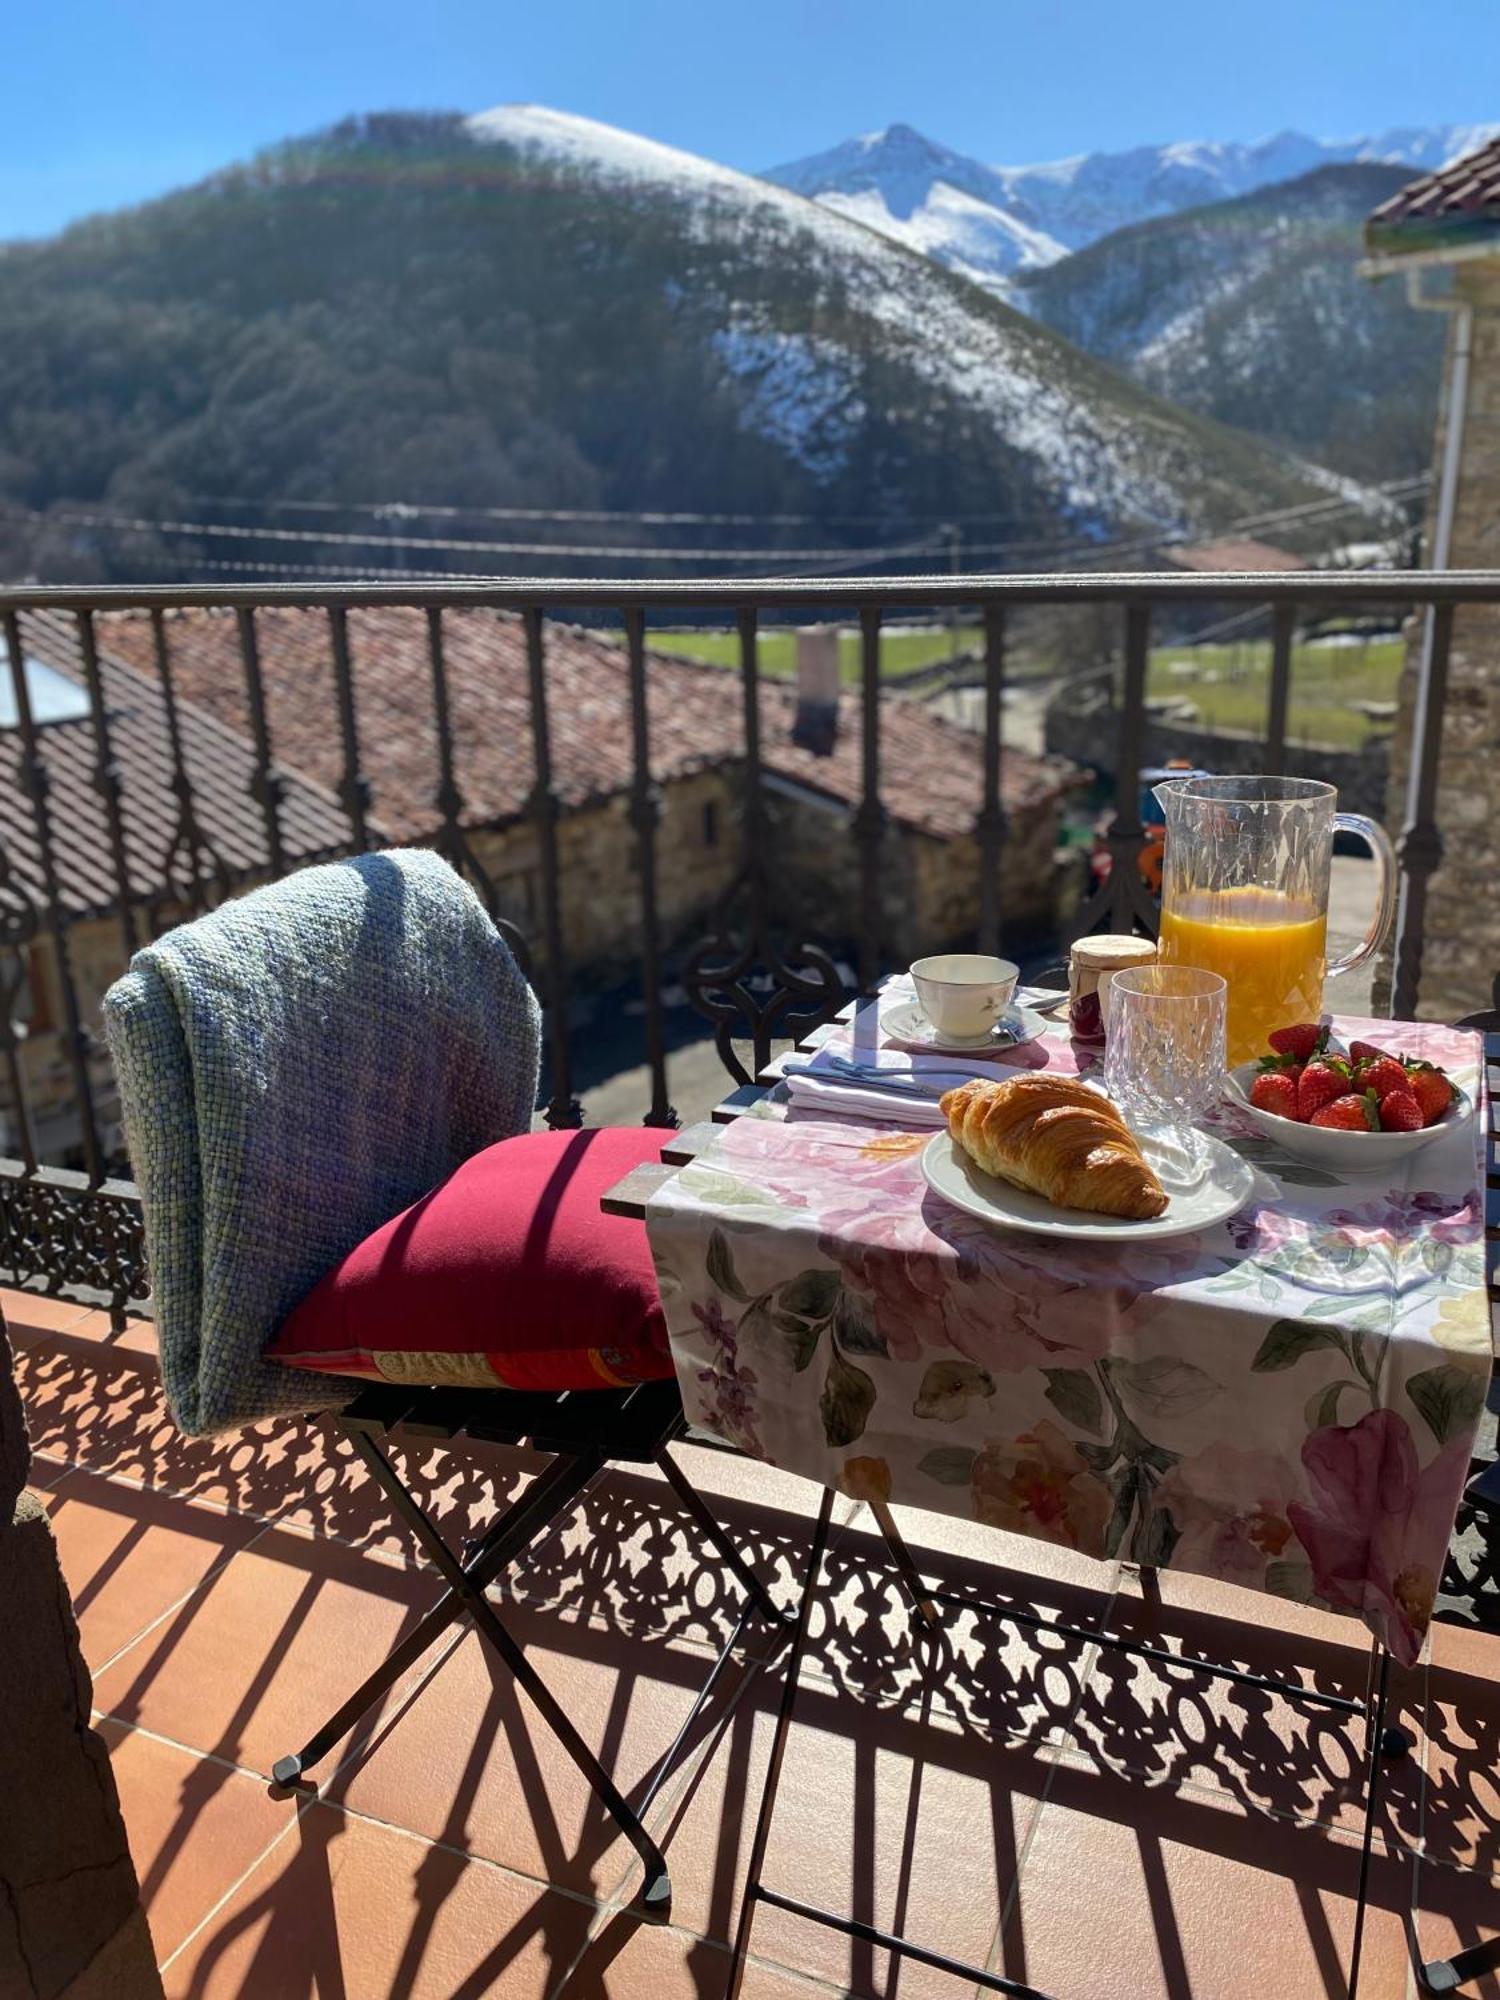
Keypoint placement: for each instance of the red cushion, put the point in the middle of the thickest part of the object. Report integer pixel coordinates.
(507, 1273)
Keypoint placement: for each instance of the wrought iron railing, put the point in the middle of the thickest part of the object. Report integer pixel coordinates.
(78, 1228)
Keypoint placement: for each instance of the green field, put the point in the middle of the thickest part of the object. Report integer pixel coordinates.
(1228, 684)
(900, 651)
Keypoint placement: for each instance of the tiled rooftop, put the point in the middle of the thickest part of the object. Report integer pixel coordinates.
(1100, 1828)
(1457, 204)
(931, 770)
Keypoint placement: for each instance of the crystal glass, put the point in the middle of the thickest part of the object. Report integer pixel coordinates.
(1164, 1053)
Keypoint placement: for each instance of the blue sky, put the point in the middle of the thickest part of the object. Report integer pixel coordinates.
(109, 101)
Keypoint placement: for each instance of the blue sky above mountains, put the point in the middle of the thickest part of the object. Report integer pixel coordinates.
(109, 104)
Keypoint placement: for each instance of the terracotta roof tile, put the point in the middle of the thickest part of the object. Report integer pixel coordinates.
(931, 770)
(219, 763)
(1457, 205)
(1233, 555)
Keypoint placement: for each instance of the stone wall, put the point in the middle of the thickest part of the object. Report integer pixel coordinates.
(71, 1923)
(697, 856)
(1461, 956)
(929, 887)
(1082, 723)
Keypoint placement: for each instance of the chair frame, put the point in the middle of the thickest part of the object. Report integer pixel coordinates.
(584, 1432)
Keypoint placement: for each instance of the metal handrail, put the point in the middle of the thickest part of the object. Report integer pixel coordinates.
(1401, 586)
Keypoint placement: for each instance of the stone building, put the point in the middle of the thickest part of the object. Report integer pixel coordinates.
(1443, 229)
(812, 786)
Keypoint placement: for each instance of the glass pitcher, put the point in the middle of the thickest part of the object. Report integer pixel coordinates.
(1245, 894)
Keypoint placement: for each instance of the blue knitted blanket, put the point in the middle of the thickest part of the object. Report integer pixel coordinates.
(295, 1068)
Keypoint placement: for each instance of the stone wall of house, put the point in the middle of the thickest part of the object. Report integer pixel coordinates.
(1462, 931)
(697, 855)
(71, 1923)
(1082, 724)
(929, 887)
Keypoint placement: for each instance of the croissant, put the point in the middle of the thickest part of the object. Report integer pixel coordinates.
(1057, 1138)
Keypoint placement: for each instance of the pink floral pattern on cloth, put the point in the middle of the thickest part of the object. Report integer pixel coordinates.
(1288, 1401)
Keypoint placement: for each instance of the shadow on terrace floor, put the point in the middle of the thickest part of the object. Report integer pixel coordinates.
(1093, 1824)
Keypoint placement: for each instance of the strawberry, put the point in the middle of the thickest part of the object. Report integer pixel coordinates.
(1400, 1112)
(1382, 1074)
(1275, 1091)
(1363, 1052)
(1431, 1088)
(1320, 1083)
(1300, 1042)
(1349, 1113)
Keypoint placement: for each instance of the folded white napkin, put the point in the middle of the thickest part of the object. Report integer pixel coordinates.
(839, 1078)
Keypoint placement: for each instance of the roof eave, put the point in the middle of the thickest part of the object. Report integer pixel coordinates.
(1402, 246)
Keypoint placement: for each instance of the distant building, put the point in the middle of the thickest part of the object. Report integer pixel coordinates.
(1448, 224)
(931, 781)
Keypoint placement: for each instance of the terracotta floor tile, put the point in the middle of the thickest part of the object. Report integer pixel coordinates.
(1128, 1888)
(44, 1471)
(28, 1314)
(1460, 1821)
(908, 1824)
(272, 1644)
(130, 1554)
(341, 1909)
(627, 1960)
(999, 1676)
(1453, 1911)
(195, 1828)
(473, 1763)
(946, 1541)
(1260, 1748)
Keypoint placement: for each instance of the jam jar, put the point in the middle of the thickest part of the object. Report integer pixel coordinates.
(1092, 963)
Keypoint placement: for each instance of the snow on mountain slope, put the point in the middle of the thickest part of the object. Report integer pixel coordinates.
(924, 195)
(1029, 216)
(838, 316)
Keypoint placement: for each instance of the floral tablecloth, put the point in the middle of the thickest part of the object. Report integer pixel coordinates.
(1286, 1401)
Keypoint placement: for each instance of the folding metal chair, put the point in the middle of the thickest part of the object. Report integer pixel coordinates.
(583, 1431)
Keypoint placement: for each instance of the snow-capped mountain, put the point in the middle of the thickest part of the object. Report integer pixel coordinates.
(937, 201)
(821, 328)
(991, 221)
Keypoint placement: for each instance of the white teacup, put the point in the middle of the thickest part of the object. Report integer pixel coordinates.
(964, 993)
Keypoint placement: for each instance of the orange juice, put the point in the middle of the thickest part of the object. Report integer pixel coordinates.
(1270, 948)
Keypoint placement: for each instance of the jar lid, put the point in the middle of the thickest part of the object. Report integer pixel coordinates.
(1110, 952)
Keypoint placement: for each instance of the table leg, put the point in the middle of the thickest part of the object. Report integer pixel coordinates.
(778, 1750)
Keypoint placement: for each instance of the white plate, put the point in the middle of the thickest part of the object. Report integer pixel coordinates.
(1224, 1189)
(906, 1023)
(1344, 1153)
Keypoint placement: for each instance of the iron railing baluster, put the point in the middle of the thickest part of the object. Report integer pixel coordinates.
(563, 1109)
(1122, 898)
(1283, 625)
(870, 818)
(188, 836)
(989, 828)
(354, 787)
(645, 816)
(15, 977)
(107, 782)
(267, 786)
(76, 1039)
(452, 842)
(1420, 848)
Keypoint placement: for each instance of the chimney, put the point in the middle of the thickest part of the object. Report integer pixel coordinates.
(816, 726)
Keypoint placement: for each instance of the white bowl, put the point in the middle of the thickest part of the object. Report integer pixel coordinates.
(1343, 1153)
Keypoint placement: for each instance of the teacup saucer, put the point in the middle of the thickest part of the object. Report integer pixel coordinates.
(906, 1023)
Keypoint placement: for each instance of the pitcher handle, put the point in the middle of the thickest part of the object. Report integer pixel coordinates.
(1379, 843)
